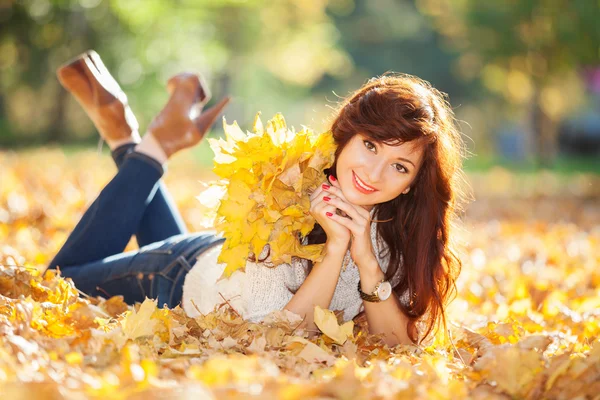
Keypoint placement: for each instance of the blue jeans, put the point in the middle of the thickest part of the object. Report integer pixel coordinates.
(136, 202)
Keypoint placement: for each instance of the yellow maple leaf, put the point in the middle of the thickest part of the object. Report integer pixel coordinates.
(234, 258)
(516, 380)
(268, 176)
(309, 351)
(138, 324)
(327, 323)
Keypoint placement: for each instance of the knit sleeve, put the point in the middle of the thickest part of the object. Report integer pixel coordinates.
(270, 289)
(254, 292)
(204, 287)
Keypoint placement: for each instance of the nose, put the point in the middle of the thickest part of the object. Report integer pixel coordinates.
(376, 171)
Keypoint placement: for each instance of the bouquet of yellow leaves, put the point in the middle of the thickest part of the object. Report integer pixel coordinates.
(263, 196)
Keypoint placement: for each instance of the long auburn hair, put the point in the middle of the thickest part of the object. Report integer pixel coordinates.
(393, 109)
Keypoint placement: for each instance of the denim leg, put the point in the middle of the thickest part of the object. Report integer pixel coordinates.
(157, 270)
(161, 219)
(107, 225)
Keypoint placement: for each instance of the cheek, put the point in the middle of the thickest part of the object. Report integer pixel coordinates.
(396, 187)
(354, 151)
(389, 194)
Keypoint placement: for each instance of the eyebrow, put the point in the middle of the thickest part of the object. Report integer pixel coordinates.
(397, 158)
(406, 159)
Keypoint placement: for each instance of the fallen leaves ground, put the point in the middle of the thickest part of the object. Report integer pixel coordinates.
(525, 324)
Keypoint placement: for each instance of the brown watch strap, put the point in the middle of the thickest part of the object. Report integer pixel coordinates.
(373, 298)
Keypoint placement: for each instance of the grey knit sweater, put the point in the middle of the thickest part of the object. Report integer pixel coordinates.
(259, 290)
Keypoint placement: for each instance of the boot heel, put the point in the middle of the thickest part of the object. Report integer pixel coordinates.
(94, 88)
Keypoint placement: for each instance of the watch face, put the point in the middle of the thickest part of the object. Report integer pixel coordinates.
(384, 291)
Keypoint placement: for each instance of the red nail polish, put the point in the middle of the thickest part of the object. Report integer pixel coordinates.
(326, 198)
(326, 186)
(328, 214)
(332, 178)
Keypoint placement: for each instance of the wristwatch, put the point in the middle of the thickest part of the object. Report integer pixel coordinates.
(382, 291)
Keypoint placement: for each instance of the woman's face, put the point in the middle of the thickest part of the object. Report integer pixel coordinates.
(386, 171)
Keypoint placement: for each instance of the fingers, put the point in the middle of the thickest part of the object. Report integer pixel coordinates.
(352, 226)
(342, 205)
(347, 215)
(353, 222)
(336, 188)
(322, 210)
(321, 214)
(326, 201)
(319, 206)
(319, 190)
(209, 116)
(349, 208)
(333, 181)
(316, 192)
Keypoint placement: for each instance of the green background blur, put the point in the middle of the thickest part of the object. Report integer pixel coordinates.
(523, 76)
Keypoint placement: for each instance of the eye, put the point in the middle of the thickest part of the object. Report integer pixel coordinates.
(369, 145)
(399, 167)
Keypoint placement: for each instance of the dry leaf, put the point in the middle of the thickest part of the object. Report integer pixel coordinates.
(139, 324)
(528, 297)
(327, 323)
(311, 352)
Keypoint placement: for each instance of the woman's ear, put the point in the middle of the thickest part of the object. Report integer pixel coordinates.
(406, 190)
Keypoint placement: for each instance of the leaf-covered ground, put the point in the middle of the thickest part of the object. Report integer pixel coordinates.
(525, 324)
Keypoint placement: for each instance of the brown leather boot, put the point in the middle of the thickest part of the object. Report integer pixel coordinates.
(86, 78)
(182, 123)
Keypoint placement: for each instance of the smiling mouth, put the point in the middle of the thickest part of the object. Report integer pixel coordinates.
(361, 186)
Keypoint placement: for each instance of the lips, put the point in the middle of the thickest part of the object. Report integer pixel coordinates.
(361, 188)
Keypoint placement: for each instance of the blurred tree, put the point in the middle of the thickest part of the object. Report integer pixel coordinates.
(35, 37)
(287, 55)
(381, 36)
(256, 49)
(529, 52)
(390, 35)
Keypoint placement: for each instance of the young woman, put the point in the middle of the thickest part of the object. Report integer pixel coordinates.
(385, 213)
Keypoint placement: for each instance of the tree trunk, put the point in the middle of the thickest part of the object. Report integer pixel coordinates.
(545, 131)
(56, 131)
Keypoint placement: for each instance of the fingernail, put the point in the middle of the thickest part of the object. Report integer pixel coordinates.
(326, 186)
(332, 178)
(326, 198)
(328, 214)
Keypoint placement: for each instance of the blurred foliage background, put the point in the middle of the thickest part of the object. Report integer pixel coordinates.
(523, 75)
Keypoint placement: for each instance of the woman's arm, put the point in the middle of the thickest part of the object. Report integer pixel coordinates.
(318, 287)
(385, 316)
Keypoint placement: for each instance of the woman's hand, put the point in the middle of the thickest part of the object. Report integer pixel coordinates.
(358, 225)
(337, 234)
